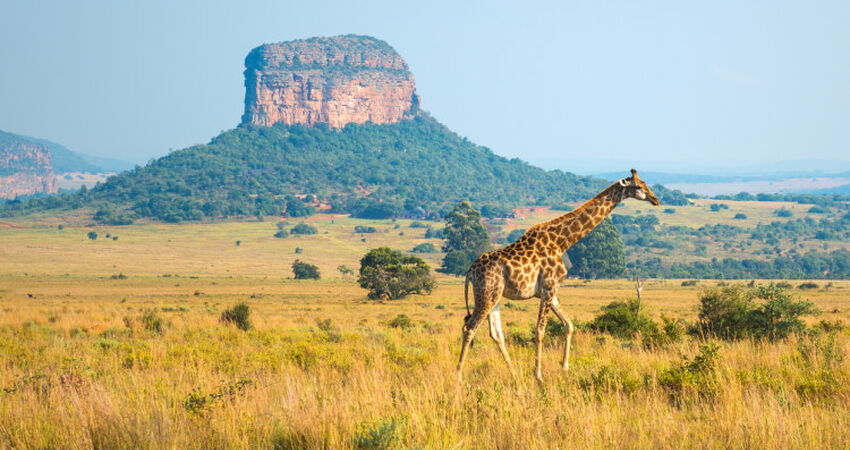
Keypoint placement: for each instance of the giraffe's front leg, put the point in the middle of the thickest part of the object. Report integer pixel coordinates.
(568, 331)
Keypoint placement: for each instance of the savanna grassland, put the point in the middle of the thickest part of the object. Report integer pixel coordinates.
(119, 344)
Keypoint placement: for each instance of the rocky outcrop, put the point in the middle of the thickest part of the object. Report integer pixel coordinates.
(336, 80)
(25, 168)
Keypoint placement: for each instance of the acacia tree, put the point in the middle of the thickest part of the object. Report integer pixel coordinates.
(600, 254)
(466, 239)
(388, 274)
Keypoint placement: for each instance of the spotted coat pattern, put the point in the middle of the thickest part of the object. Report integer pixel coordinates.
(532, 267)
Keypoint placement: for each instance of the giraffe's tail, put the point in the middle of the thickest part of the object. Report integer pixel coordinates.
(466, 300)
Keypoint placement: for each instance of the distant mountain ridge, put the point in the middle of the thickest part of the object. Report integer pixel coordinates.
(64, 160)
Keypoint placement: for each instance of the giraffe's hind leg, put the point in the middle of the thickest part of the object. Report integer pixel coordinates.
(487, 290)
(495, 320)
(568, 331)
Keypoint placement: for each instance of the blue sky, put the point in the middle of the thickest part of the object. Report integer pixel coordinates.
(592, 86)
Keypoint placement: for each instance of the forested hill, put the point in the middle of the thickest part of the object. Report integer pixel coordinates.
(369, 170)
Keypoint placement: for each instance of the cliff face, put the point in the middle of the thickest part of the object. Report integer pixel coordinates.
(25, 168)
(337, 80)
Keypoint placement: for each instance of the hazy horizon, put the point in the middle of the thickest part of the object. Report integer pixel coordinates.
(687, 88)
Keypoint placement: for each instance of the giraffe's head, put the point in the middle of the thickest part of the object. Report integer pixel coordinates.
(634, 187)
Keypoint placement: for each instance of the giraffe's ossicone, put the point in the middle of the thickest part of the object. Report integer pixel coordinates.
(532, 267)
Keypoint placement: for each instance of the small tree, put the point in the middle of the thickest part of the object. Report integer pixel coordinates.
(305, 271)
(303, 228)
(388, 274)
(466, 238)
(600, 254)
(425, 248)
(92, 235)
(344, 270)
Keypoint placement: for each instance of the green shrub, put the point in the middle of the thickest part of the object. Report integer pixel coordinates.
(760, 312)
(281, 233)
(808, 285)
(624, 320)
(384, 434)
(740, 216)
(695, 376)
(303, 228)
(690, 282)
(400, 321)
(238, 315)
(425, 248)
(92, 235)
(783, 212)
(723, 312)
(152, 322)
(365, 229)
(305, 271)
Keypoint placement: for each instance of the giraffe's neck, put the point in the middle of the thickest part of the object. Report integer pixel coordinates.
(576, 224)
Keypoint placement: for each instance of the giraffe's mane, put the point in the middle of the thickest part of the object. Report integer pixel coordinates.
(605, 192)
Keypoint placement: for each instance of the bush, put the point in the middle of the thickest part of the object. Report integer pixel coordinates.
(669, 211)
(417, 225)
(364, 229)
(760, 312)
(281, 233)
(305, 271)
(92, 235)
(238, 315)
(303, 228)
(384, 434)
(808, 285)
(695, 376)
(690, 282)
(817, 209)
(624, 320)
(425, 248)
(388, 274)
(782, 212)
(740, 216)
(401, 321)
(723, 312)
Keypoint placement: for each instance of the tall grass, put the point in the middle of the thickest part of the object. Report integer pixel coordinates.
(316, 371)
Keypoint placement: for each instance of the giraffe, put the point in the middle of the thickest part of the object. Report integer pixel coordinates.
(532, 267)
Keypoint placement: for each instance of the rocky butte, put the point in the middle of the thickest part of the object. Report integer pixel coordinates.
(25, 168)
(334, 80)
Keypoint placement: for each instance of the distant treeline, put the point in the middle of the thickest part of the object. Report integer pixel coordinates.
(811, 265)
(805, 199)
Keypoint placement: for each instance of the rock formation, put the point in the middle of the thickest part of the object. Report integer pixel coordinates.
(25, 168)
(337, 80)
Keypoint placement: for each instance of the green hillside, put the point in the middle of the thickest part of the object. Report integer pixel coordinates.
(369, 170)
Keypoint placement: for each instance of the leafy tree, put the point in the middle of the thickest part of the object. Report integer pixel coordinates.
(515, 234)
(466, 238)
(425, 248)
(600, 254)
(305, 271)
(388, 274)
(303, 228)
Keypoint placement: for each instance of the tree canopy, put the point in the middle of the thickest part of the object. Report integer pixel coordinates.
(466, 239)
(600, 254)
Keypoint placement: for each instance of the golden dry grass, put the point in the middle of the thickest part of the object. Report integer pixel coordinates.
(322, 368)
